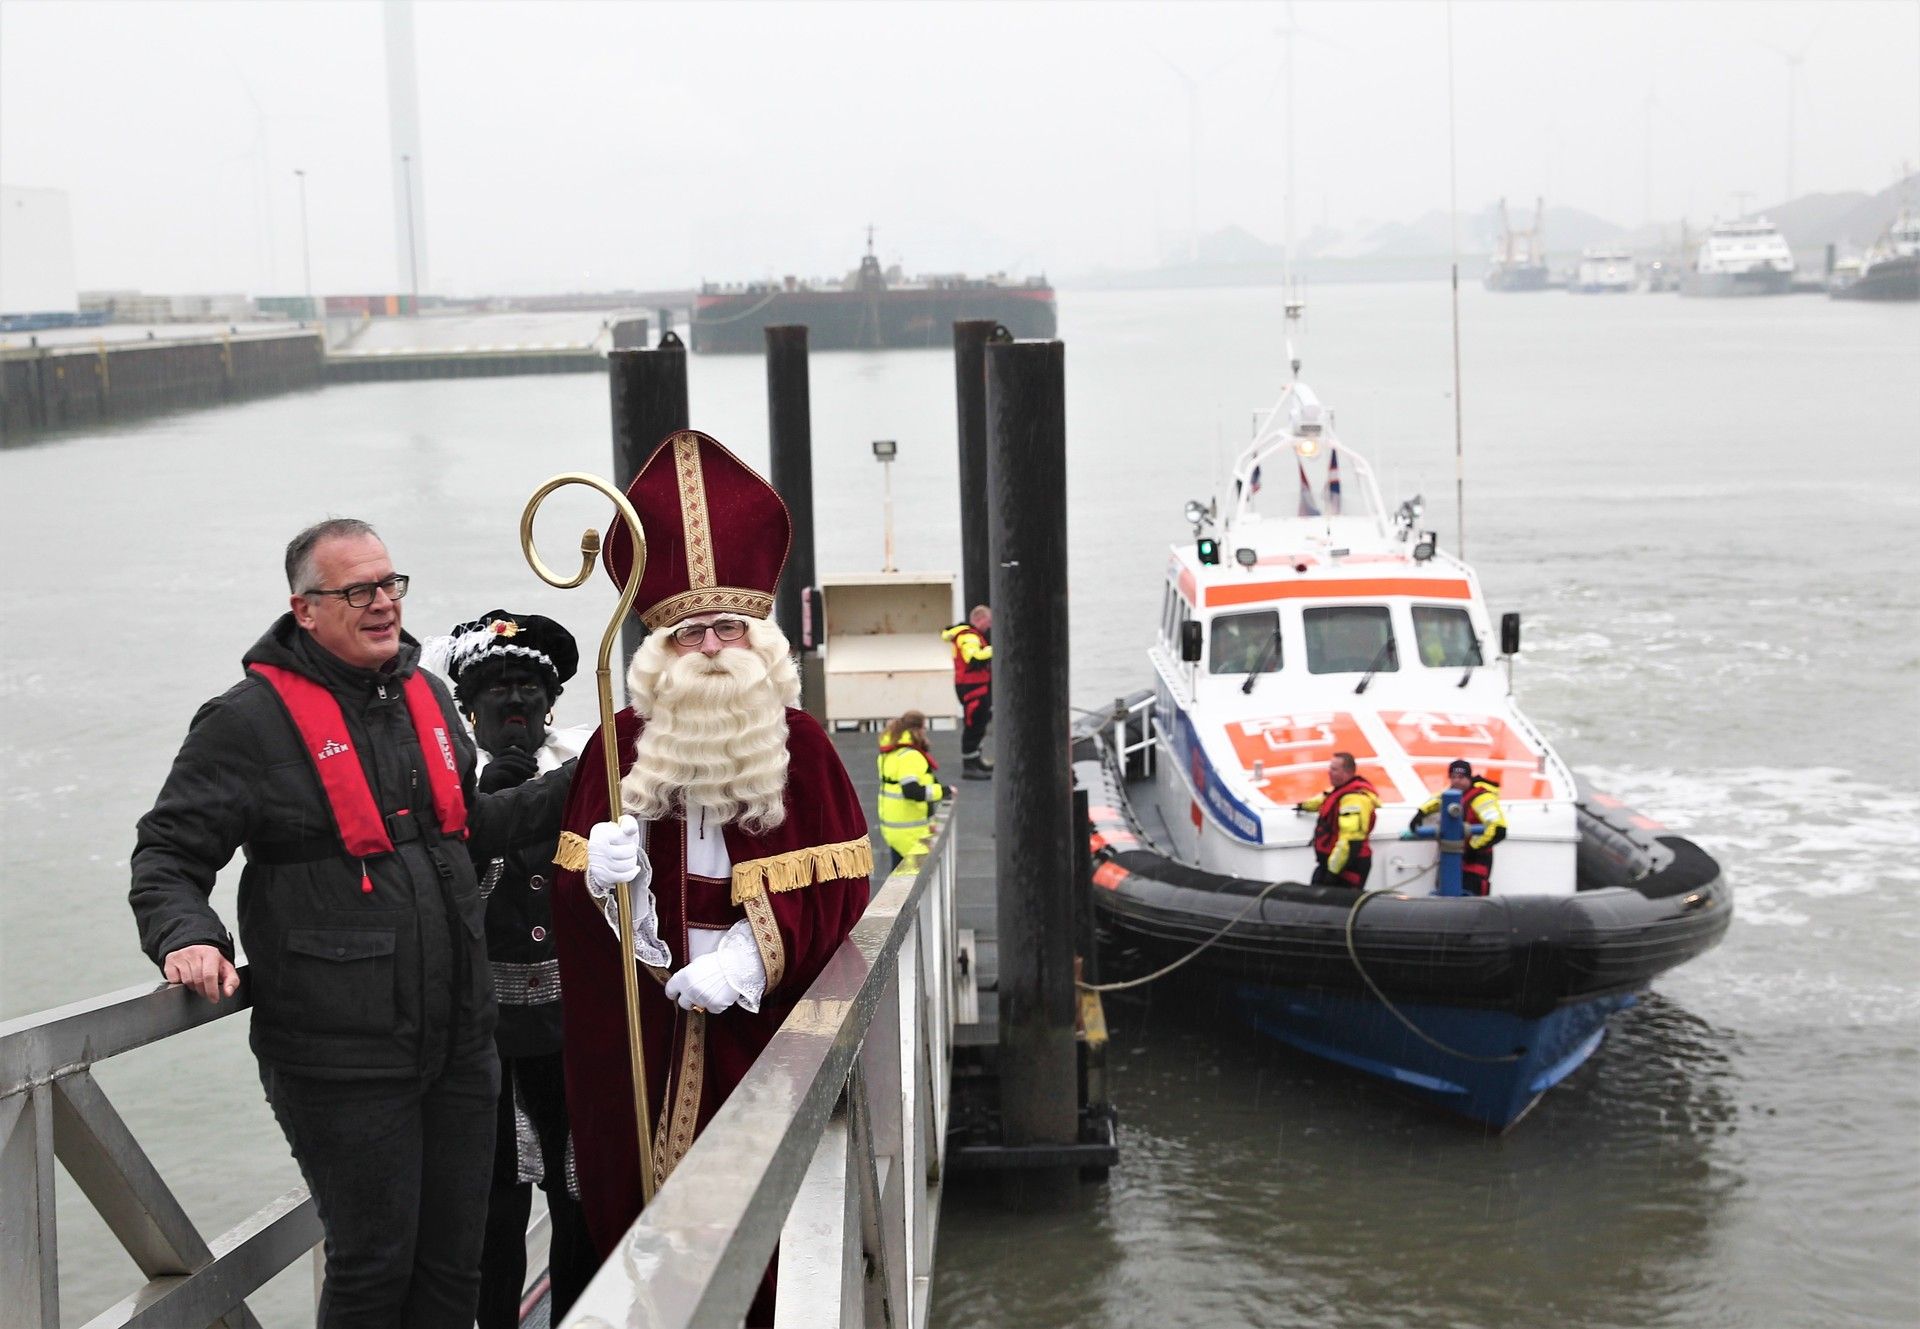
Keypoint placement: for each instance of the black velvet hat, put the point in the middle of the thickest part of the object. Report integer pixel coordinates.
(497, 636)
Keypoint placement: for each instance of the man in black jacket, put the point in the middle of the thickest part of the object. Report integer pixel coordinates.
(507, 671)
(347, 778)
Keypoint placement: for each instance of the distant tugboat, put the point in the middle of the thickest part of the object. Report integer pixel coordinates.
(1741, 258)
(1888, 271)
(1521, 261)
(871, 309)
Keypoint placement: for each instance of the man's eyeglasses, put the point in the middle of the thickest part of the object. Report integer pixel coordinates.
(726, 629)
(361, 593)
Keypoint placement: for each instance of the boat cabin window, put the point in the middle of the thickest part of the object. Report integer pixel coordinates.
(1242, 643)
(1172, 614)
(1349, 639)
(1445, 637)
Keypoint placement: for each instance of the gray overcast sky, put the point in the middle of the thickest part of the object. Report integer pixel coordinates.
(599, 145)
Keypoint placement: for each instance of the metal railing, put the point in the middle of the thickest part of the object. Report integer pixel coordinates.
(52, 1108)
(831, 1146)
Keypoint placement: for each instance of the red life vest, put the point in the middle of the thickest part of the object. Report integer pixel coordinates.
(1477, 864)
(323, 729)
(969, 673)
(1326, 828)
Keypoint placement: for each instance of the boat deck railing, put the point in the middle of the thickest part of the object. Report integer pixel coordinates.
(832, 1147)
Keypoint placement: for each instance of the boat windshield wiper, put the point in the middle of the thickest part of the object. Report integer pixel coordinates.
(1380, 657)
(1467, 674)
(1260, 666)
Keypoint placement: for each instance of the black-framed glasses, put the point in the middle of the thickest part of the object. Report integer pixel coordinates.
(361, 593)
(726, 629)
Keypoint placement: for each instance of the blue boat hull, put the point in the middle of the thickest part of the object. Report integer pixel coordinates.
(1524, 1057)
(1521, 982)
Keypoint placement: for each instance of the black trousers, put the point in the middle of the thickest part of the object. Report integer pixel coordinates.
(571, 1262)
(976, 711)
(398, 1170)
(1353, 877)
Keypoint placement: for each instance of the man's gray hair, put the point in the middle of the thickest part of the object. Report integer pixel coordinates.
(300, 570)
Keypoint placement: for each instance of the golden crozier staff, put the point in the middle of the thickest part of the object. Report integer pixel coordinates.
(610, 751)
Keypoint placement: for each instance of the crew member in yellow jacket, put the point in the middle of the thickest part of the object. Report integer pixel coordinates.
(1343, 825)
(1486, 824)
(908, 790)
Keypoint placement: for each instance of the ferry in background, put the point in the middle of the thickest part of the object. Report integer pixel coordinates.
(1888, 271)
(872, 308)
(1312, 622)
(1605, 270)
(1741, 258)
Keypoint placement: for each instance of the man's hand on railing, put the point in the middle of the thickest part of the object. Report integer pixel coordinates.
(204, 969)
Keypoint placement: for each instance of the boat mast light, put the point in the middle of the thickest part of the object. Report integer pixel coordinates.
(1407, 514)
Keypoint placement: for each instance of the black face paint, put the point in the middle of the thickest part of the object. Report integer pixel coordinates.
(510, 710)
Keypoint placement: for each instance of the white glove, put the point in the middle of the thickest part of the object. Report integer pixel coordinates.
(703, 983)
(613, 854)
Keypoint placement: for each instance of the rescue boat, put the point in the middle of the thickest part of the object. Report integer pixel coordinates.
(1303, 619)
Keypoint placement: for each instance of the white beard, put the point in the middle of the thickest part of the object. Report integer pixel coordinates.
(716, 733)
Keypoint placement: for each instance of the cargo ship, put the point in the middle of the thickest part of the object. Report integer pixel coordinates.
(1888, 271)
(1520, 264)
(872, 308)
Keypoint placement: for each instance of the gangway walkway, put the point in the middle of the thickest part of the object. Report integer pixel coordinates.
(832, 1148)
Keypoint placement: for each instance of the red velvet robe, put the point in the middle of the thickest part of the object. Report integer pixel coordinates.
(803, 884)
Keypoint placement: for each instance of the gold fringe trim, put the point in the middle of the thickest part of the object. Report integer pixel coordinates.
(571, 852)
(802, 867)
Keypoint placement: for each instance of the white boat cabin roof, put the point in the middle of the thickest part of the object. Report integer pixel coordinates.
(1308, 579)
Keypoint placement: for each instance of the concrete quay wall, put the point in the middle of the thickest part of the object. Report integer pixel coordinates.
(44, 388)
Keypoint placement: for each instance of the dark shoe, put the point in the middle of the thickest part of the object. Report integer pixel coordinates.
(975, 770)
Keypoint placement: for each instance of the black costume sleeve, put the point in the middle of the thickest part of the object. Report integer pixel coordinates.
(509, 819)
(205, 811)
(527, 814)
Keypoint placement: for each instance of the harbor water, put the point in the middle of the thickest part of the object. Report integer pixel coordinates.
(1707, 512)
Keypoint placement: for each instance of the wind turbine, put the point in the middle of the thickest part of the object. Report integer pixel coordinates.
(1193, 146)
(1794, 59)
(1287, 33)
(1646, 206)
(1193, 157)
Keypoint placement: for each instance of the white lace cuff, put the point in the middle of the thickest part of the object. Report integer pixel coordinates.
(646, 920)
(741, 965)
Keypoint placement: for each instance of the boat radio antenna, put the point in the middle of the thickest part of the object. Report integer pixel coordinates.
(1453, 219)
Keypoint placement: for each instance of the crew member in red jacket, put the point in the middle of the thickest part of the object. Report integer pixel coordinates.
(1345, 814)
(972, 643)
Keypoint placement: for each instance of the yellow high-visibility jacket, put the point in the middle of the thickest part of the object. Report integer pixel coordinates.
(1486, 820)
(907, 822)
(972, 654)
(1358, 808)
